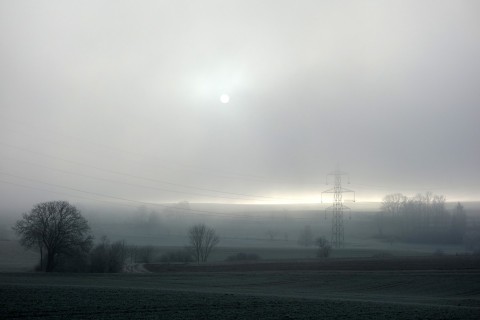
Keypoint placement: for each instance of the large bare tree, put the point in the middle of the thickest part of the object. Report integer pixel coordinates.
(56, 228)
(202, 240)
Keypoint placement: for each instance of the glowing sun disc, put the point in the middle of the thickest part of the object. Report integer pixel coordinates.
(224, 98)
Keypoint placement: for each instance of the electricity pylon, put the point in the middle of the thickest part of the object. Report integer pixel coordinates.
(338, 236)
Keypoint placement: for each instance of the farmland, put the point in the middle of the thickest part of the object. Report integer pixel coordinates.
(438, 288)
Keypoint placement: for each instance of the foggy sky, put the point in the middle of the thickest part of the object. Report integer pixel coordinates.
(121, 99)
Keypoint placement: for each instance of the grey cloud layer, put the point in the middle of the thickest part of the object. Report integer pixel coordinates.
(388, 91)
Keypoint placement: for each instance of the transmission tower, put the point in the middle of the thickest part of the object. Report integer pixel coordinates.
(338, 207)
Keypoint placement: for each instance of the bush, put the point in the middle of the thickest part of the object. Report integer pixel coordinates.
(77, 261)
(243, 257)
(108, 257)
(179, 256)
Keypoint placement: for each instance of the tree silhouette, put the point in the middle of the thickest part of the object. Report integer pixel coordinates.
(57, 229)
(202, 241)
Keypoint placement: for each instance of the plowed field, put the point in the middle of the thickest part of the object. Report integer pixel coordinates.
(449, 292)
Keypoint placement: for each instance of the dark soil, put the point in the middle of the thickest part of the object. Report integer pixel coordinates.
(376, 288)
(110, 303)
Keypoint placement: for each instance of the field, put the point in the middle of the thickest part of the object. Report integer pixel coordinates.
(396, 288)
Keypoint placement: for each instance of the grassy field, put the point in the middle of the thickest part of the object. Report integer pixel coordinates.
(360, 249)
(450, 291)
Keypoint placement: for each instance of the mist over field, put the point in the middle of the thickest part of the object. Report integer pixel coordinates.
(240, 159)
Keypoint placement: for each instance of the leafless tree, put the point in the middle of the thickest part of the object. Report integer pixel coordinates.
(391, 210)
(57, 229)
(459, 223)
(132, 253)
(202, 240)
(272, 234)
(421, 218)
(324, 247)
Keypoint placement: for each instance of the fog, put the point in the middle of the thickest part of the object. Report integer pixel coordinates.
(117, 104)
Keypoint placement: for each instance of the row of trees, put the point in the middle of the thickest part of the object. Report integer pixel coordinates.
(422, 218)
(62, 236)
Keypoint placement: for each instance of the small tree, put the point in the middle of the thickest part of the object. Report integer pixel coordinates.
(202, 241)
(458, 224)
(132, 253)
(57, 229)
(324, 247)
(272, 234)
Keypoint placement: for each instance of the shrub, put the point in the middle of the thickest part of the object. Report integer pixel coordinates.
(77, 261)
(108, 257)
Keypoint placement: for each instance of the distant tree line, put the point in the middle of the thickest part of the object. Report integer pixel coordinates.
(421, 219)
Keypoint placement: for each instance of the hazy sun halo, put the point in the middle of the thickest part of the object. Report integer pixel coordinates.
(224, 98)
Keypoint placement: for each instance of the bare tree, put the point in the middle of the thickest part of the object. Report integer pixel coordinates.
(272, 234)
(202, 241)
(392, 203)
(324, 247)
(57, 229)
(422, 218)
(132, 253)
(459, 223)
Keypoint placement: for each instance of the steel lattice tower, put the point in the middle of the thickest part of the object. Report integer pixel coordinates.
(338, 234)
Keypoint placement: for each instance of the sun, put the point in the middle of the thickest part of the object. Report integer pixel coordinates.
(224, 98)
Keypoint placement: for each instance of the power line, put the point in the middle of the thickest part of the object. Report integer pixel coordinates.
(183, 210)
(388, 187)
(110, 196)
(65, 194)
(140, 177)
(123, 151)
(130, 184)
(133, 206)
